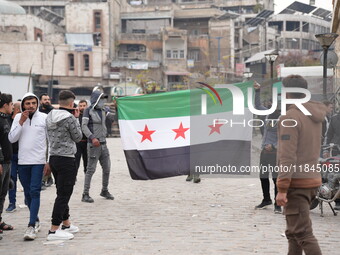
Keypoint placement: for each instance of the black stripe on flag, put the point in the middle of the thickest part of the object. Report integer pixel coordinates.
(170, 162)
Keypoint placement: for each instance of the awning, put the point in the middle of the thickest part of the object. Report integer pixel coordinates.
(79, 39)
(258, 56)
(183, 73)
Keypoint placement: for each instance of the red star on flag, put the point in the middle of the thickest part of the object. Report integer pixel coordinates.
(180, 131)
(215, 128)
(146, 133)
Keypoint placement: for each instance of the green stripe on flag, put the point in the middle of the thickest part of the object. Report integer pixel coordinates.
(175, 104)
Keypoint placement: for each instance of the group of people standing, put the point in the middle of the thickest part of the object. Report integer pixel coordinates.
(38, 141)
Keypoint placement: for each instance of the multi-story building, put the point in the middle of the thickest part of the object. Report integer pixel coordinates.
(177, 39)
(71, 48)
(166, 41)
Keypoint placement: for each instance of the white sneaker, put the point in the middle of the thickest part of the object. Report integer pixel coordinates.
(70, 229)
(59, 235)
(30, 233)
(37, 226)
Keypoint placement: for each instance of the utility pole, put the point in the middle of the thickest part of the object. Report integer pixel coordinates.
(50, 84)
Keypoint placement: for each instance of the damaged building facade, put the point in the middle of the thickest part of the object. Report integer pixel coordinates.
(83, 43)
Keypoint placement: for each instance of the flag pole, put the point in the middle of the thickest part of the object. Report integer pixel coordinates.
(29, 79)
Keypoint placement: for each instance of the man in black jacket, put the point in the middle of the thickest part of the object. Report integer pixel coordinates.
(14, 164)
(6, 108)
(45, 107)
(82, 145)
(45, 103)
(333, 136)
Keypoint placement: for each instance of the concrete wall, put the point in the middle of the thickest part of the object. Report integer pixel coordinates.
(79, 18)
(25, 24)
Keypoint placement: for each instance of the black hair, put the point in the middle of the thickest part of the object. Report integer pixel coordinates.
(5, 99)
(65, 95)
(43, 94)
(83, 101)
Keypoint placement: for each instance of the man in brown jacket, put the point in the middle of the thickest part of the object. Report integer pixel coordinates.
(299, 178)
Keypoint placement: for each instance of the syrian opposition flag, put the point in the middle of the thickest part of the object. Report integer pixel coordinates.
(170, 134)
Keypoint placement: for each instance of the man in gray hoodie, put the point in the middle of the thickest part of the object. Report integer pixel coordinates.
(64, 132)
(94, 128)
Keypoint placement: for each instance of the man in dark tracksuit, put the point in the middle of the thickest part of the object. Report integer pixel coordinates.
(93, 126)
(268, 153)
(6, 108)
(82, 145)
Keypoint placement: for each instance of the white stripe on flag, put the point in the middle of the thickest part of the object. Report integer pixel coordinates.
(199, 132)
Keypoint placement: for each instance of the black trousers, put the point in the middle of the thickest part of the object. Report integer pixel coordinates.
(64, 171)
(81, 151)
(267, 159)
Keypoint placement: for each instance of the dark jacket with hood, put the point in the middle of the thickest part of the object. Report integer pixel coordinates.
(300, 146)
(93, 122)
(270, 127)
(333, 134)
(5, 144)
(63, 131)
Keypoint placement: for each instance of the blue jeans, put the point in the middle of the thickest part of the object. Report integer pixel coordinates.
(31, 177)
(14, 176)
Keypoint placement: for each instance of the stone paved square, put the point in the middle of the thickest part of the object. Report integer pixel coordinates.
(167, 216)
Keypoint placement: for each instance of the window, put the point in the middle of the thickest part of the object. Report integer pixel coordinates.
(86, 62)
(292, 26)
(168, 54)
(97, 20)
(181, 54)
(277, 24)
(292, 43)
(138, 31)
(305, 27)
(194, 54)
(271, 44)
(305, 44)
(175, 54)
(37, 34)
(157, 55)
(71, 62)
(97, 39)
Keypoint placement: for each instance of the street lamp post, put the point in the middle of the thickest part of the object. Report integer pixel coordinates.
(50, 84)
(271, 57)
(326, 41)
